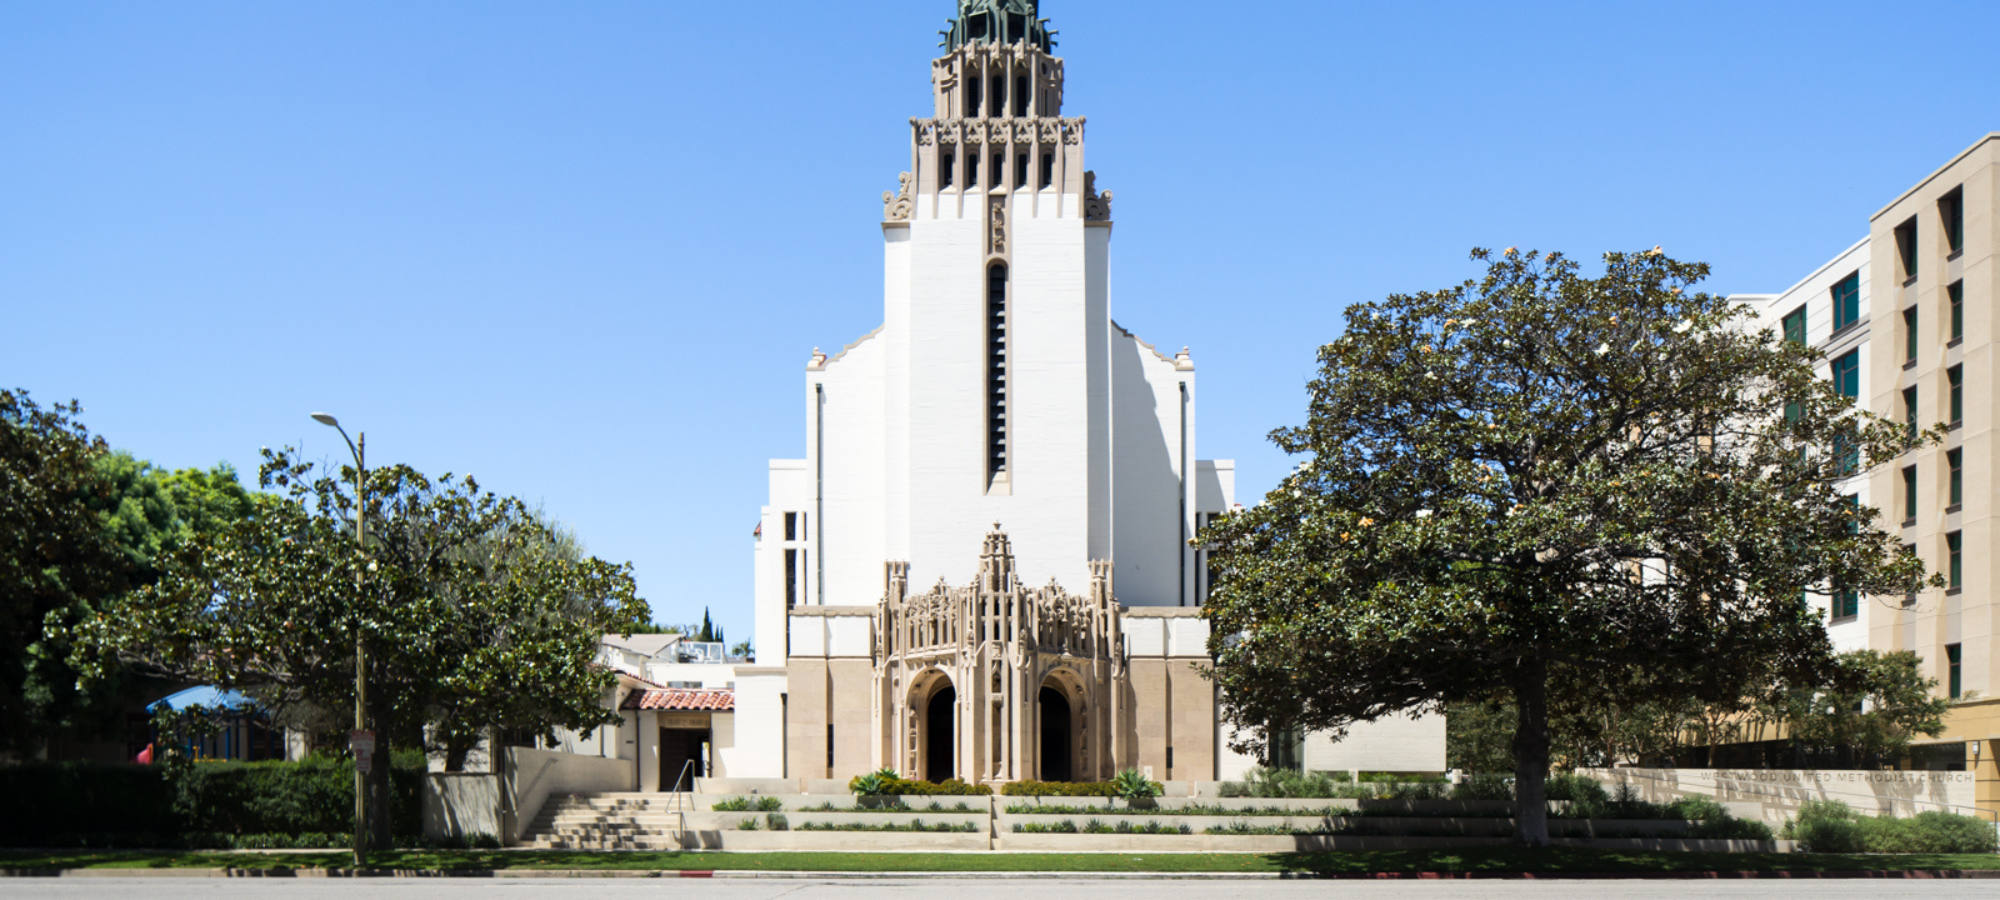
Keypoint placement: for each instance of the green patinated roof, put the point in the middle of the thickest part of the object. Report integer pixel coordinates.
(999, 22)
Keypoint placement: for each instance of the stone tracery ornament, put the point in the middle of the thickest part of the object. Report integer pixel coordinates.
(897, 205)
(999, 229)
(1095, 208)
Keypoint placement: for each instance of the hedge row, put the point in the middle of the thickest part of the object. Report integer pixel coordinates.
(1059, 789)
(97, 805)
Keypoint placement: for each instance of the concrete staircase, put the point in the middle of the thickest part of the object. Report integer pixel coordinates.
(612, 822)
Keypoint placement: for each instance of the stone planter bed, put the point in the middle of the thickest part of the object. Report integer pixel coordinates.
(1216, 843)
(1415, 826)
(792, 802)
(960, 819)
(859, 842)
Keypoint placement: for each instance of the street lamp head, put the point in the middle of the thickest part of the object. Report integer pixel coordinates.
(325, 419)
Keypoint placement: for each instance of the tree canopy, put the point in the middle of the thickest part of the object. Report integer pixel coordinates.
(54, 552)
(474, 612)
(1536, 480)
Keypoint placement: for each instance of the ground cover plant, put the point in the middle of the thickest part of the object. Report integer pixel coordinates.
(892, 806)
(1460, 860)
(1193, 809)
(1831, 826)
(915, 825)
(749, 804)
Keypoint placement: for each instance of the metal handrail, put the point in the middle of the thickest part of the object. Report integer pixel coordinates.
(680, 807)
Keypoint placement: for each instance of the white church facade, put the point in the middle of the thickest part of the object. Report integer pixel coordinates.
(982, 567)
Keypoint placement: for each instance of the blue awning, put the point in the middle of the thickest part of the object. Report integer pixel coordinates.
(206, 697)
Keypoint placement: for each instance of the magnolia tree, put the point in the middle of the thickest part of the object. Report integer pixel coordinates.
(1539, 482)
(472, 611)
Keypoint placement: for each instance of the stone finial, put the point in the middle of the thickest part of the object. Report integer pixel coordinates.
(1183, 361)
(817, 362)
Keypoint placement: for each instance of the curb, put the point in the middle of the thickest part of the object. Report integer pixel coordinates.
(557, 874)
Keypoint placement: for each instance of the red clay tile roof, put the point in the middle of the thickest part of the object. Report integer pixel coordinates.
(683, 700)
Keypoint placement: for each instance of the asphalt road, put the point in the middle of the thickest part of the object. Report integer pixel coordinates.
(1050, 888)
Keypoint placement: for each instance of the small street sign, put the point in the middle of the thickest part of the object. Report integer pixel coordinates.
(363, 745)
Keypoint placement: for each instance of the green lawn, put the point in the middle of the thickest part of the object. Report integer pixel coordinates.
(1484, 859)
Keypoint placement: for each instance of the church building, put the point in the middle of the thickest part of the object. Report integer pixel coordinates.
(982, 566)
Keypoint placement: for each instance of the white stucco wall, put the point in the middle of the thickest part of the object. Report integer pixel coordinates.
(1813, 293)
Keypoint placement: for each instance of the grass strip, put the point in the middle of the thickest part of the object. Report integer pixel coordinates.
(1492, 860)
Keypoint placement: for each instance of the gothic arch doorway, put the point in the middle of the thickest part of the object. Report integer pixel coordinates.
(1057, 743)
(939, 733)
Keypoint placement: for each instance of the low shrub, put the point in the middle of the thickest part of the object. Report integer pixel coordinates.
(1394, 778)
(1830, 826)
(1484, 787)
(1575, 789)
(749, 804)
(1058, 789)
(1133, 786)
(887, 783)
(1274, 783)
(1063, 827)
(777, 822)
(207, 805)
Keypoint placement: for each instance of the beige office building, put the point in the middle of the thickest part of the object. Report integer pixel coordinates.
(1906, 318)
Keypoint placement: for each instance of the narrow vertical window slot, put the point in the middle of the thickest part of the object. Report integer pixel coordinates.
(972, 99)
(1906, 249)
(1048, 167)
(1909, 496)
(947, 163)
(1021, 170)
(972, 170)
(996, 98)
(1909, 337)
(1951, 214)
(1021, 96)
(996, 373)
(1955, 297)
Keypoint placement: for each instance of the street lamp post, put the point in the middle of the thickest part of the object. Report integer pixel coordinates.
(360, 451)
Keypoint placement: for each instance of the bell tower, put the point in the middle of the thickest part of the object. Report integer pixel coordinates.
(997, 249)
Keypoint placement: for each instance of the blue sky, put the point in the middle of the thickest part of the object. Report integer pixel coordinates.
(582, 250)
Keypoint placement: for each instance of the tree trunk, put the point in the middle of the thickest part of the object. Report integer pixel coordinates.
(1531, 758)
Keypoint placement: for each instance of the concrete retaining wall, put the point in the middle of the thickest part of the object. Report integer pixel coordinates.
(1775, 795)
(459, 805)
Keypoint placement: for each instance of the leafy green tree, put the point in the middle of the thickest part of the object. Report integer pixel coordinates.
(1538, 479)
(1874, 706)
(54, 552)
(146, 513)
(468, 618)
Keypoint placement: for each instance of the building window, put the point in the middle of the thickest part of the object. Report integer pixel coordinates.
(1847, 374)
(1795, 326)
(996, 101)
(1955, 295)
(791, 578)
(1846, 302)
(1910, 337)
(791, 526)
(1954, 568)
(1021, 98)
(1048, 167)
(1955, 459)
(1846, 605)
(1955, 376)
(1021, 170)
(1906, 248)
(1952, 661)
(972, 86)
(972, 170)
(829, 749)
(996, 370)
(999, 170)
(1951, 214)
(1909, 495)
(947, 164)
(1910, 411)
